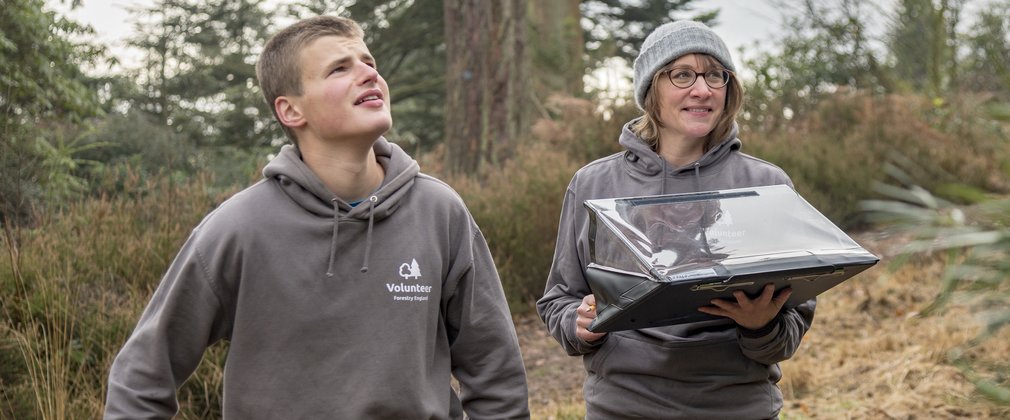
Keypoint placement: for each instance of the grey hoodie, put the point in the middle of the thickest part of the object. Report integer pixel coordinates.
(279, 271)
(708, 369)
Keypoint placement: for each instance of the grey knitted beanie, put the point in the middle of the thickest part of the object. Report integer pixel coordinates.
(670, 41)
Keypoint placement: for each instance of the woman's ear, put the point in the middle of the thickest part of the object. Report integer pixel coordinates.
(288, 112)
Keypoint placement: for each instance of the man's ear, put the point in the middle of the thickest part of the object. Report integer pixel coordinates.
(288, 112)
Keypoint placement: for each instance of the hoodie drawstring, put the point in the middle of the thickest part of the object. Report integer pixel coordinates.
(368, 237)
(333, 242)
(665, 175)
(697, 188)
(697, 177)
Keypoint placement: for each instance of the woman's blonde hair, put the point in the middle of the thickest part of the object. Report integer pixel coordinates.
(647, 127)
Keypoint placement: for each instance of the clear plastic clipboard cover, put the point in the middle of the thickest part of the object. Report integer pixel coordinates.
(715, 241)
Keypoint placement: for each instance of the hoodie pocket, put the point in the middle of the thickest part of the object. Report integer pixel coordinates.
(714, 364)
(593, 360)
(636, 375)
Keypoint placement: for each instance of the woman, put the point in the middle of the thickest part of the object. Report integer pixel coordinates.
(686, 141)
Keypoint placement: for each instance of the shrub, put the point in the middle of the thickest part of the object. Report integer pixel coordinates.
(517, 208)
(74, 287)
(837, 152)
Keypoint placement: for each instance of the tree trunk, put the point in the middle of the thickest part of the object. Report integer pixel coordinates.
(507, 80)
(485, 81)
(465, 39)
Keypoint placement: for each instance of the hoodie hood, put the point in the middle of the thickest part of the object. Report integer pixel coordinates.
(643, 160)
(306, 189)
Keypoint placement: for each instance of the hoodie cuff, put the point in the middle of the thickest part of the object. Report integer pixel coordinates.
(760, 332)
(578, 344)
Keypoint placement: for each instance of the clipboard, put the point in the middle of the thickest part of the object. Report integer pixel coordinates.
(655, 260)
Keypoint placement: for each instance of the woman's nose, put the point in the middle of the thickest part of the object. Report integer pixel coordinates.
(700, 88)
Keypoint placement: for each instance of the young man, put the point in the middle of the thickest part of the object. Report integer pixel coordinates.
(348, 284)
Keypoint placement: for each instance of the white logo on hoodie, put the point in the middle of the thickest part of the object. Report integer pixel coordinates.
(417, 291)
(410, 271)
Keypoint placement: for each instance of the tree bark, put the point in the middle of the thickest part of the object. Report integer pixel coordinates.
(506, 66)
(485, 81)
(466, 24)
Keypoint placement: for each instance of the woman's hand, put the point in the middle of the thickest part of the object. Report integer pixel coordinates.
(586, 314)
(750, 313)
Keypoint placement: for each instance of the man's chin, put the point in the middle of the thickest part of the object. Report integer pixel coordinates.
(380, 128)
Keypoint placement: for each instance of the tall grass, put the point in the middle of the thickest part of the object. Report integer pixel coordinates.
(74, 286)
(44, 345)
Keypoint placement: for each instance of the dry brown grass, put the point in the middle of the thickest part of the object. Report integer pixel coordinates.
(869, 355)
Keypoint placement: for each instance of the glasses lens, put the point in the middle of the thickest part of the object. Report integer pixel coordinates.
(685, 78)
(682, 78)
(717, 78)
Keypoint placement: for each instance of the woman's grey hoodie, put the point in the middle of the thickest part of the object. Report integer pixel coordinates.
(331, 311)
(709, 369)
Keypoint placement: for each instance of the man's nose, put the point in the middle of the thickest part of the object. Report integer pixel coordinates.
(367, 73)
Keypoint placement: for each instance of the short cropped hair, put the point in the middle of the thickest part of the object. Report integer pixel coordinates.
(278, 71)
(647, 128)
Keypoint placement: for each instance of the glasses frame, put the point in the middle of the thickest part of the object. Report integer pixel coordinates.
(727, 75)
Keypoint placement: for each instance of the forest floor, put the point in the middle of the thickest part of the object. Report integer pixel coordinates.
(870, 354)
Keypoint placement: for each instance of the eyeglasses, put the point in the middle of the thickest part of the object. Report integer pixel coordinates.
(685, 78)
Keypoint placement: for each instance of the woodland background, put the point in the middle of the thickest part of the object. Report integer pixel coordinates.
(900, 137)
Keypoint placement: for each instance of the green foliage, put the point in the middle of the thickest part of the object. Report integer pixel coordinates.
(39, 64)
(616, 28)
(60, 165)
(137, 144)
(823, 49)
(922, 45)
(828, 47)
(42, 90)
(987, 64)
(198, 75)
